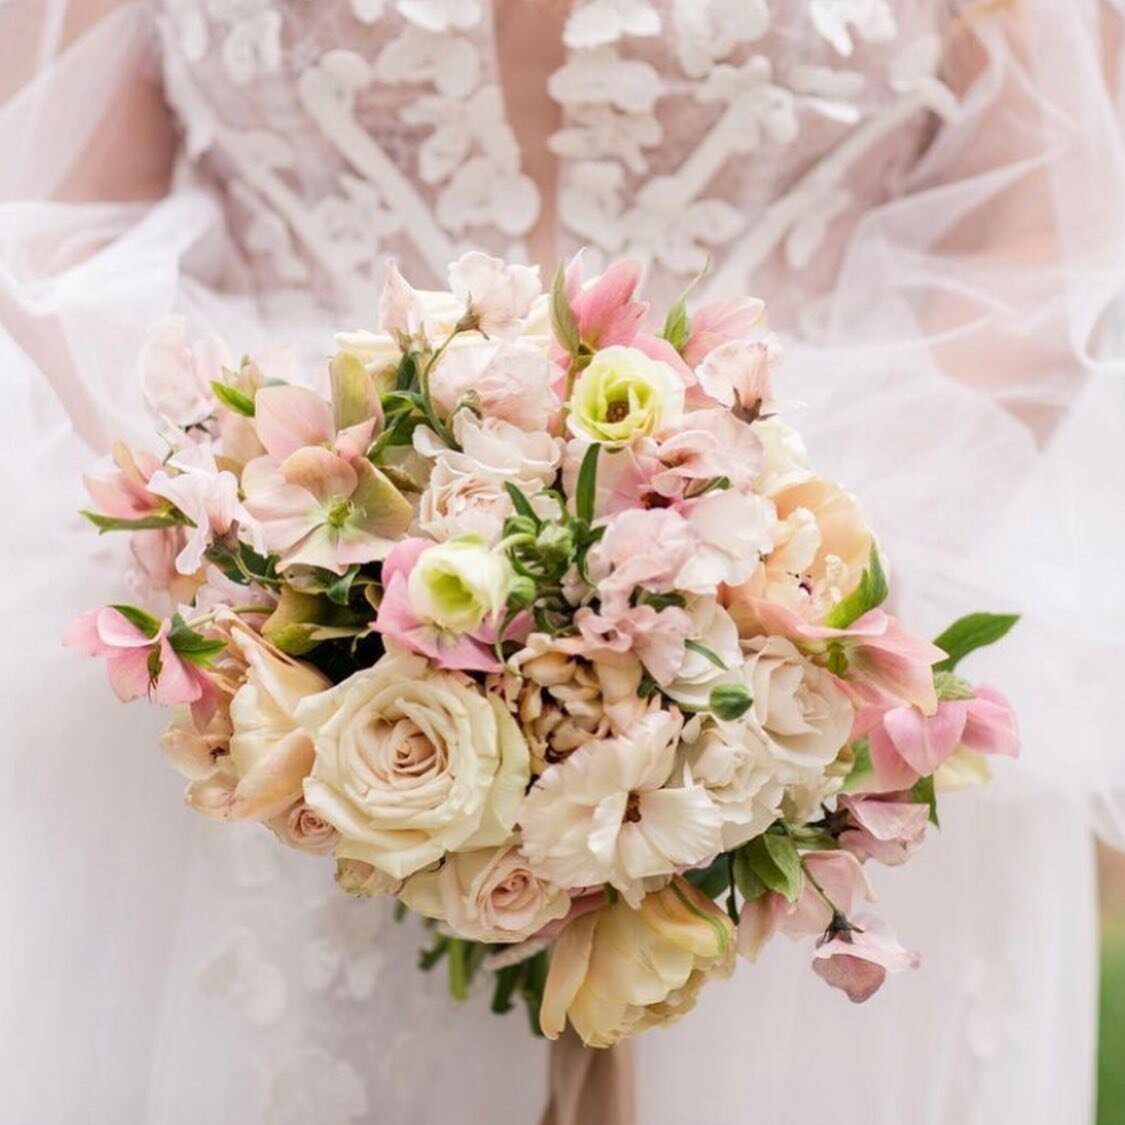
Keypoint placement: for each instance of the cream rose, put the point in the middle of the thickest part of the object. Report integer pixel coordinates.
(488, 895)
(733, 762)
(800, 707)
(618, 971)
(624, 393)
(413, 762)
(302, 828)
(270, 754)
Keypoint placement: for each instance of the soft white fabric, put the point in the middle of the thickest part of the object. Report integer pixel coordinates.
(943, 244)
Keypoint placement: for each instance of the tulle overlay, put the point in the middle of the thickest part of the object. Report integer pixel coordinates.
(954, 340)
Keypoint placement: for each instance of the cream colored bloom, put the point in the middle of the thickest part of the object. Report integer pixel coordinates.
(607, 815)
(735, 764)
(624, 393)
(713, 629)
(800, 707)
(413, 762)
(489, 895)
(619, 971)
(459, 584)
(270, 753)
(304, 829)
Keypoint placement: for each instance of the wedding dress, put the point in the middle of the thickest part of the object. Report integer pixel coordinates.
(931, 196)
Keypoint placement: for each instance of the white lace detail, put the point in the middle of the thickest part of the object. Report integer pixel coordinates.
(352, 130)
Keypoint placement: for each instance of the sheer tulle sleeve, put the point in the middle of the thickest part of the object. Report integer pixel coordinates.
(966, 375)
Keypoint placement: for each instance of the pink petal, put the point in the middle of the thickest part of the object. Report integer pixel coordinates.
(128, 673)
(892, 772)
(990, 726)
(176, 682)
(320, 472)
(82, 635)
(924, 742)
(117, 631)
(289, 418)
(402, 559)
(719, 323)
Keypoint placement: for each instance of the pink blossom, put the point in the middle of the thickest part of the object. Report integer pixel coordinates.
(732, 530)
(125, 494)
(176, 376)
(657, 637)
(141, 663)
(208, 496)
(399, 620)
(402, 312)
(858, 958)
(886, 828)
(843, 884)
(737, 375)
(990, 724)
(905, 744)
(605, 310)
(498, 296)
(291, 418)
(710, 444)
(720, 322)
(883, 657)
(318, 509)
(641, 548)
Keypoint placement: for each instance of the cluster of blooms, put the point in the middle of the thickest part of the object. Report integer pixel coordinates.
(542, 623)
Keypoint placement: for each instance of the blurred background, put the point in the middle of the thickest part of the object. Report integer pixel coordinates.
(1111, 1060)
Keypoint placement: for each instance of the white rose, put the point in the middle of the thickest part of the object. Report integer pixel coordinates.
(623, 393)
(799, 706)
(413, 762)
(713, 630)
(488, 895)
(734, 764)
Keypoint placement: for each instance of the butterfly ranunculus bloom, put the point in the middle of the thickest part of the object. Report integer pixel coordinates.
(618, 971)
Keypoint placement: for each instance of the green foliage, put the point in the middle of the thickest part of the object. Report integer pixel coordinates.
(233, 399)
(869, 594)
(730, 701)
(139, 619)
(586, 489)
(563, 322)
(967, 634)
(771, 861)
(170, 518)
(192, 646)
(924, 793)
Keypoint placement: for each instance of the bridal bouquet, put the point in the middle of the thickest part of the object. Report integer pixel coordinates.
(541, 622)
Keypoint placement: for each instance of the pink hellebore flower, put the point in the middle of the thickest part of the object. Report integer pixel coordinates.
(140, 663)
(990, 724)
(857, 959)
(498, 296)
(886, 828)
(318, 509)
(291, 418)
(125, 495)
(399, 618)
(719, 323)
(208, 496)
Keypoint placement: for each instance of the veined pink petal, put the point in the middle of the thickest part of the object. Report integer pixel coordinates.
(719, 323)
(290, 418)
(176, 683)
(116, 631)
(320, 472)
(402, 559)
(656, 347)
(83, 636)
(990, 725)
(924, 742)
(354, 441)
(605, 310)
(891, 770)
(128, 673)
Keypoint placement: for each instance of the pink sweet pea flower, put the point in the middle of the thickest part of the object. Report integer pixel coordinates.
(657, 637)
(857, 957)
(208, 496)
(737, 375)
(887, 828)
(990, 724)
(176, 375)
(141, 663)
(497, 296)
(708, 445)
(843, 884)
(720, 322)
(320, 510)
(125, 495)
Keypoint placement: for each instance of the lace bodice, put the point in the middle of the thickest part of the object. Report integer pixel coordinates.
(741, 131)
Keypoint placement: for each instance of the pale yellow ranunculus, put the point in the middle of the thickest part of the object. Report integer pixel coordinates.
(623, 393)
(618, 971)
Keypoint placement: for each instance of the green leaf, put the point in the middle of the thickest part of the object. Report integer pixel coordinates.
(711, 880)
(924, 794)
(870, 593)
(708, 654)
(139, 619)
(677, 324)
(563, 323)
(355, 398)
(145, 523)
(748, 884)
(507, 979)
(194, 647)
(428, 958)
(861, 766)
(340, 589)
(774, 860)
(531, 988)
(586, 490)
(233, 399)
(730, 701)
(521, 503)
(406, 377)
(970, 633)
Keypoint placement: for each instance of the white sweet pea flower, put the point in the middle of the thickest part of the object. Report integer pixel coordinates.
(497, 295)
(603, 815)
